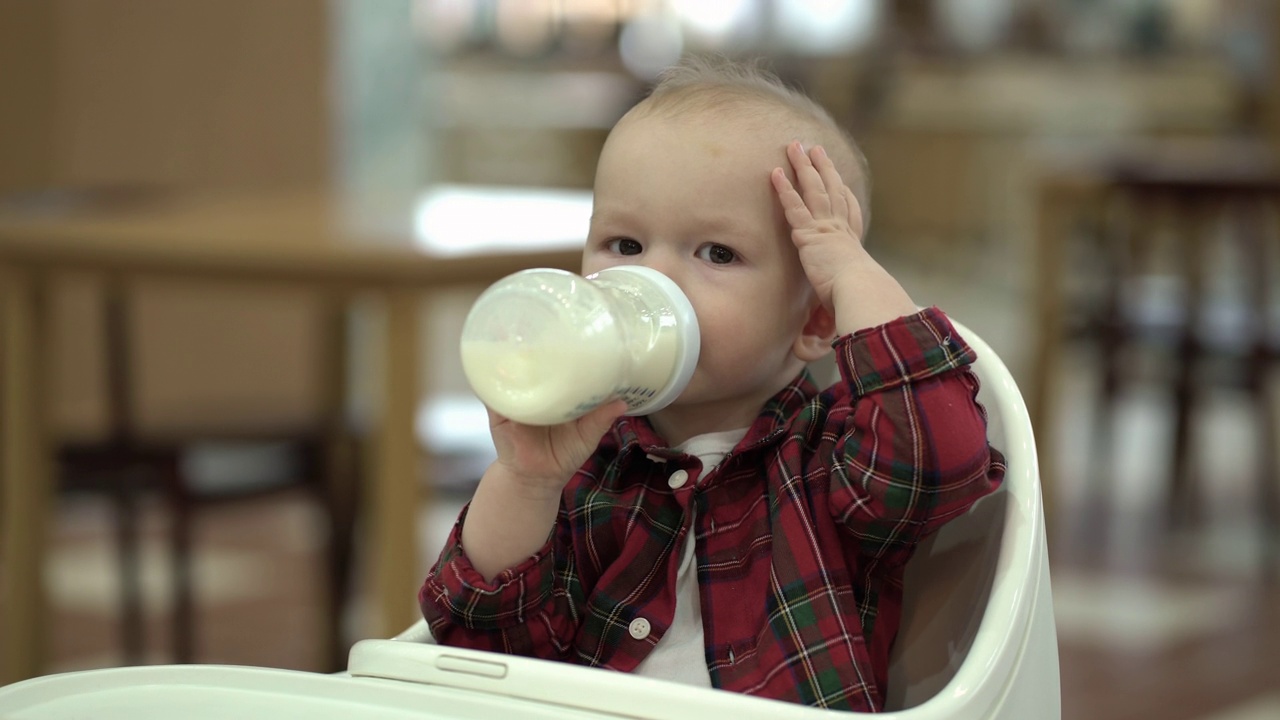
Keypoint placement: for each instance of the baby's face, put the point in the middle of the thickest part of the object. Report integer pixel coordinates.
(690, 196)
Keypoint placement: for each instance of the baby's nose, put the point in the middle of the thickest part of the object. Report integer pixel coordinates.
(672, 271)
(665, 263)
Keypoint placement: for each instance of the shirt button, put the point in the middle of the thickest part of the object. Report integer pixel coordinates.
(639, 628)
(678, 479)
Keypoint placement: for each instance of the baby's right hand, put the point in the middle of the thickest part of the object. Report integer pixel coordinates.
(544, 459)
(516, 503)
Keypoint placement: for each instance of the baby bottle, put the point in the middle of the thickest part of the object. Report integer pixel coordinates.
(545, 346)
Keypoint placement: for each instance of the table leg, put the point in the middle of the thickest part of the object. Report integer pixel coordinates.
(342, 492)
(1053, 210)
(25, 481)
(396, 483)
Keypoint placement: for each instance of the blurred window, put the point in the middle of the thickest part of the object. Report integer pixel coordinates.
(828, 27)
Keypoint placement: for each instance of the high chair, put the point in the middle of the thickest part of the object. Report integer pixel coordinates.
(977, 642)
(977, 638)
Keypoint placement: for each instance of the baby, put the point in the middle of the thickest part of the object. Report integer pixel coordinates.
(752, 535)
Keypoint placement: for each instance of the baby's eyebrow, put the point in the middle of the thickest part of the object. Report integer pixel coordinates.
(715, 225)
(722, 225)
(611, 216)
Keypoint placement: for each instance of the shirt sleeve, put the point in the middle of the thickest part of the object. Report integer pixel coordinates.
(521, 611)
(912, 451)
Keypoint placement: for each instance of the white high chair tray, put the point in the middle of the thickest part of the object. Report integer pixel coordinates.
(206, 692)
(561, 686)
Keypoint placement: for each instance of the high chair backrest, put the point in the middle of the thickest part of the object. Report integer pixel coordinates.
(977, 638)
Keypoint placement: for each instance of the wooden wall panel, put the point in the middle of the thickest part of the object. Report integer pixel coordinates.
(190, 92)
(26, 94)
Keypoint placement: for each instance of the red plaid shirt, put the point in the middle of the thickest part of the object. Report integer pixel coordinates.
(802, 531)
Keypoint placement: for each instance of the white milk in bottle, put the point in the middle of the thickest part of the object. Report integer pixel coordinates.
(545, 346)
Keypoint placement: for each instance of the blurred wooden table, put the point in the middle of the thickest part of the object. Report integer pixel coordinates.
(396, 249)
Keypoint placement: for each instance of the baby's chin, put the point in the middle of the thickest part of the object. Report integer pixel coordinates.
(702, 402)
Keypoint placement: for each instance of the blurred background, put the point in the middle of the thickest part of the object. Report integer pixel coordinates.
(1088, 184)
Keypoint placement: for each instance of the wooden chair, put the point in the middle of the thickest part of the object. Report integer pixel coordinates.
(1190, 254)
(171, 376)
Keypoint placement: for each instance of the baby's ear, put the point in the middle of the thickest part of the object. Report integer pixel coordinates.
(815, 339)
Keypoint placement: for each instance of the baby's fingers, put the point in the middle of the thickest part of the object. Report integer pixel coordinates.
(812, 186)
(832, 184)
(793, 206)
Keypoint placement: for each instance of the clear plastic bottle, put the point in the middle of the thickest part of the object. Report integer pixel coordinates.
(545, 346)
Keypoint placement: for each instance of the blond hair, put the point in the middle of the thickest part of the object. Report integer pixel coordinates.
(700, 83)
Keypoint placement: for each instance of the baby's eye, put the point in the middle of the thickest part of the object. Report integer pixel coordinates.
(625, 246)
(717, 254)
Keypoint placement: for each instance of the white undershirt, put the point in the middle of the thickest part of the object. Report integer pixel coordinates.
(680, 656)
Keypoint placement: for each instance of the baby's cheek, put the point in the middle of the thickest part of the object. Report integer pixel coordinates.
(593, 262)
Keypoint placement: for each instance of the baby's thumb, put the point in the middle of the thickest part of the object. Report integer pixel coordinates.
(594, 424)
(856, 222)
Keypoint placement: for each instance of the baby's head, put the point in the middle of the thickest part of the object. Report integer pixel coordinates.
(724, 90)
(683, 186)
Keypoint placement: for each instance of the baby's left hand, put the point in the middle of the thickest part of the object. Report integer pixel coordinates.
(825, 219)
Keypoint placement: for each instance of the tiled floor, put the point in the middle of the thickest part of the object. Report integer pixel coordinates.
(1152, 623)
